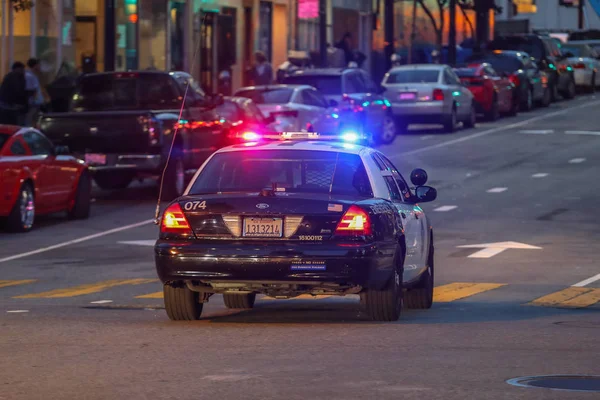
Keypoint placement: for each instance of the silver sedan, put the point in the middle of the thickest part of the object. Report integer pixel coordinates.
(428, 94)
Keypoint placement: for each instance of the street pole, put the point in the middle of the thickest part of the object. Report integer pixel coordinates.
(323, 32)
(452, 34)
(580, 6)
(3, 40)
(413, 31)
(388, 11)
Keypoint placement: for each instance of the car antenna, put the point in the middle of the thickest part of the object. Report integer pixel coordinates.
(162, 175)
(337, 157)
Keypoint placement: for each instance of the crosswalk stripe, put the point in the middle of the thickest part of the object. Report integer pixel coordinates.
(457, 291)
(156, 295)
(572, 297)
(85, 289)
(6, 283)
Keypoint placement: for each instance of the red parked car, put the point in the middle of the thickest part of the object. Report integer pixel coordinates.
(37, 178)
(494, 94)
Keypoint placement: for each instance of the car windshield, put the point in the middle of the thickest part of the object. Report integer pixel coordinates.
(466, 72)
(126, 92)
(414, 76)
(501, 63)
(267, 96)
(295, 171)
(516, 43)
(3, 139)
(327, 84)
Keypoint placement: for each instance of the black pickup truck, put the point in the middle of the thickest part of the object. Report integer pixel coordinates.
(122, 125)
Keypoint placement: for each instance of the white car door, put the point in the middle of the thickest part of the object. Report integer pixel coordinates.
(326, 121)
(459, 92)
(413, 220)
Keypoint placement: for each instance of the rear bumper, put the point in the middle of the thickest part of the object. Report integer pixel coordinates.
(129, 162)
(362, 265)
(583, 77)
(424, 108)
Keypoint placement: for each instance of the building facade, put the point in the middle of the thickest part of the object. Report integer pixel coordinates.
(203, 37)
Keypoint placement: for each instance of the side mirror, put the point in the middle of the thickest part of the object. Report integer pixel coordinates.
(425, 194)
(333, 103)
(61, 150)
(418, 177)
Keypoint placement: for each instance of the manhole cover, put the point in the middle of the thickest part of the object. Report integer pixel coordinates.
(573, 383)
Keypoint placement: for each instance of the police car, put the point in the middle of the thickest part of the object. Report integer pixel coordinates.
(298, 216)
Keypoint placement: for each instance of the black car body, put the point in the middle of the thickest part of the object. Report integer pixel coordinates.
(324, 227)
(355, 93)
(243, 119)
(122, 124)
(547, 55)
(531, 83)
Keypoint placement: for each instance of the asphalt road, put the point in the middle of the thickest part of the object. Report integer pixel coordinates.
(81, 310)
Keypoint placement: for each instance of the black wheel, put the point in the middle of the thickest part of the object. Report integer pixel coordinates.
(174, 180)
(241, 301)
(592, 87)
(571, 90)
(527, 105)
(386, 304)
(554, 92)
(547, 99)
(472, 120)
(181, 303)
(113, 181)
(451, 121)
(421, 296)
(83, 197)
(388, 131)
(22, 215)
(514, 108)
(494, 112)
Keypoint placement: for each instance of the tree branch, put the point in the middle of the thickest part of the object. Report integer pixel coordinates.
(464, 13)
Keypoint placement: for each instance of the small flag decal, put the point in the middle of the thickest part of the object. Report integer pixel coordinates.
(335, 207)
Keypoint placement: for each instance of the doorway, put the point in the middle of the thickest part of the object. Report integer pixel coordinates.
(208, 50)
(247, 50)
(85, 42)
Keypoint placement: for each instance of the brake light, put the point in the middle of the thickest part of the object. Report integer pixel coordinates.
(355, 222)
(579, 66)
(287, 113)
(438, 95)
(174, 221)
(515, 80)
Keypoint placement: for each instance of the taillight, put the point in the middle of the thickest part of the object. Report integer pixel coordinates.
(355, 222)
(438, 95)
(174, 221)
(579, 66)
(515, 80)
(287, 113)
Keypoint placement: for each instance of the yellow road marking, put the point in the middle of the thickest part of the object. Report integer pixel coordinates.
(457, 291)
(572, 297)
(5, 283)
(156, 295)
(85, 289)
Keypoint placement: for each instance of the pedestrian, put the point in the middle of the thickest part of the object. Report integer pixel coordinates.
(346, 46)
(34, 90)
(263, 71)
(14, 100)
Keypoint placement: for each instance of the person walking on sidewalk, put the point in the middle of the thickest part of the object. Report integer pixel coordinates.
(34, 91)
(263, 71)
(13, 96)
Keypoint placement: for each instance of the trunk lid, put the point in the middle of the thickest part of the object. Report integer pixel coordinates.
(410, 92)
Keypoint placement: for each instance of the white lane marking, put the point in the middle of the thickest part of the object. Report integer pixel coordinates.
(489, 250)
(140, 242)
(17, 311)
(587, 281)
(497, 190)
(494, 130)
(445, 208)
(537, 132)
(577, 161)
(75, 241)
(426, 137)
(591, 133)
(101, 302)
(540, 175)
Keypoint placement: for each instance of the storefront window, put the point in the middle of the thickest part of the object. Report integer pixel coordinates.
(265, 29)
(153, 34)
(126, 34)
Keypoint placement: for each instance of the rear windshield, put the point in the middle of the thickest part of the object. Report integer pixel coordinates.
(414, 76)
(3, 139)
(267, 96)
(501, 63)
(466, 72)
(295, 171)
(577, 51)
(517, 43)
(327, 84)
(229, 111)
(131, 92)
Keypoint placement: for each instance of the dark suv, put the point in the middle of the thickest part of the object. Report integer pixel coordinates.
(548, 57)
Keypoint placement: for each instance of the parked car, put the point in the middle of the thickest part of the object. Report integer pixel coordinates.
(243, 120)
(38, 178)
(585, 62)
(531, 83)
(547, 56)
(428, 94)
(122, 124)
(494, 94)
(293, 107)
(359, 99)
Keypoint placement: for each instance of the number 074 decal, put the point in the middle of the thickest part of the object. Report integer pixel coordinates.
(194, 205)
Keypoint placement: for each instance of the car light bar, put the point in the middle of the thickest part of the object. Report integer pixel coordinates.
(349, 136)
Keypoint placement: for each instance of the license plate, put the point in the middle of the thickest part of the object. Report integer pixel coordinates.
(96, 159)
(408, 96)
(263, 227)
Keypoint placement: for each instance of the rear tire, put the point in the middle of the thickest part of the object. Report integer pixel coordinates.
(571, 91)
(527, 105)
(494, 112)
(450, 123)
(592, 88)
(514, 108)
(547, 99)
(83, 194)
(472, 119)
(239, 301)
(389, 130)
(386, 304)
(181, 303)
(421, 297)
